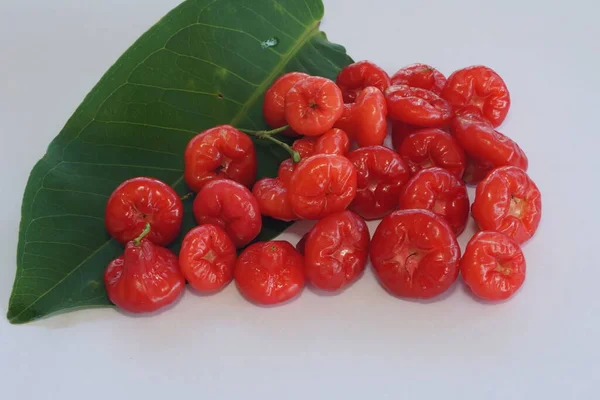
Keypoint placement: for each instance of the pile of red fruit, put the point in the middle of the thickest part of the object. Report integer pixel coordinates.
(443, 134)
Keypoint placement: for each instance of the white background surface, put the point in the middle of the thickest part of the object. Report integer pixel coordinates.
(363, 344)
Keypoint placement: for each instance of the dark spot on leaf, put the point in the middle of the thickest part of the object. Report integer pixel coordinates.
(220, 96)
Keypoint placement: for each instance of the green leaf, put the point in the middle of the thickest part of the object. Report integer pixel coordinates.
(206, 63)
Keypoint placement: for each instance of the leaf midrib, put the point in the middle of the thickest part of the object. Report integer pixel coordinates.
(310, 31)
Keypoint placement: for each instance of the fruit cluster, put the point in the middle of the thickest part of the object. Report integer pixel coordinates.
(340, 174)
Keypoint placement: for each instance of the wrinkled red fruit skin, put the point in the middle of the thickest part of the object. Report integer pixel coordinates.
(355, 77)
(272, 197)
(417, 107)
(274, 102)
(220, 152)
(144, 279)
(479, 90)
(269, 273)
(415, 254)
(336, 251)
(231, 206)
(322, 185)
(421, 76)
(334, 141)
(207, 258)
(143, 200)
(365, 119)
(381, 174)
(440, 192)
(313, 105)
(493, 266)
(509, 202)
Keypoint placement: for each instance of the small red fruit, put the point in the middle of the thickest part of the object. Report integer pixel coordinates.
(322, 185)
(231, 206)
(433, 148)
(313, 105)
(220, 152)
(420, 76)
(353, 78)
(286, 168)
(476, 171)
(274, 102)
(417, 106)
(270, 272)
(207, 258)
(145, 278)
(365, 119)
(334, 141)
(401, 131)
(141, 200)
(509, 202)
(440, 192)
(272, 197)
(478, 89)
(336, 251)
(381, 174)
(493, 266)
(415, 254)
(483, 143)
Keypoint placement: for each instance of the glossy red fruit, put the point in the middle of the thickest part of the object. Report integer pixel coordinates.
(478, 89)
(417, 106)
(313, 105)
(509, 202)
(440, 192)
(144, 279)
(285, 171)
(207, 258)
(231, 206)
(336, 251)
(483, 143)
(322, 185)
(353, 78)
(141, 200)
(334, 141)
(274, 102)
(476, 171)
(493, 266)
(381, 174)
(270, 272)
(220, 152)
(428, 148)
(401, 131)
(365, 119)
(415, 254)
(272, 197)
(420, 76)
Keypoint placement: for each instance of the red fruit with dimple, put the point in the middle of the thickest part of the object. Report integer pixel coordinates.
(322, 185)
(480, 90)
(336, 251)
(420, 76)
(269, 273)
(274, 102)
(428, 148)
(142, 200)
(417, 106)
(145, 278)
(381, 174)
(440, 192)
(334, 141)
(486, 145)
(355, 77)
(509, 202)
(415, 254)
(232, 207)
(493, 266)
(219, 152)
(207, 258)
(272, 197)
(365, 119)
(313, 105)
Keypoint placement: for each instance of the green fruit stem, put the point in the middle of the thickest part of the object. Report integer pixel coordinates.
(138, 240)
(268, 135)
